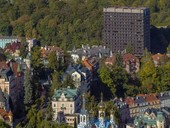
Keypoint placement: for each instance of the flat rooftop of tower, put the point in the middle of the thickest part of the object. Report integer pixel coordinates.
(126, 9)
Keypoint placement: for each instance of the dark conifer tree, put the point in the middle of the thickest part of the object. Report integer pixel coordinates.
(27, 88)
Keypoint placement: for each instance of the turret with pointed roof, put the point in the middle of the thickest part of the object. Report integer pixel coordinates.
(112, 121)
(84, 116)
(101, 112)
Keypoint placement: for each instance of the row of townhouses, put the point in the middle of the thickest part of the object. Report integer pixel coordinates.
(131, 63)
(11, 88)
(142, 107)
(89, 56)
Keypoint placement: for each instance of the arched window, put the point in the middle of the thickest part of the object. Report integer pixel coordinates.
(84, 118)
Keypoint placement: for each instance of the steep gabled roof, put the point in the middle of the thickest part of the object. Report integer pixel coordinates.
(151, 98)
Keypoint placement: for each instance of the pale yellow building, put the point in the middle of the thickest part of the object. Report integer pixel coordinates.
(66, 100)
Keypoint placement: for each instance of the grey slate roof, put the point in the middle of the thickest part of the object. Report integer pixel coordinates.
(77, 68)
(140, 100)
(164, 95)
(6, 73)
(94, 51)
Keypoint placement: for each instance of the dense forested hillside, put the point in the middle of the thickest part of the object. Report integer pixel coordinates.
(68, 22)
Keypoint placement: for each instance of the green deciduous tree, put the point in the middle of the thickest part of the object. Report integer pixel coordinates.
(105, 76)
(165, 81)
(146, 57)
(115, 78)
(147, 75)
(148, 70)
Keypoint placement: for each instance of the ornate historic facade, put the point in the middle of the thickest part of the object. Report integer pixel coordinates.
(152, 118)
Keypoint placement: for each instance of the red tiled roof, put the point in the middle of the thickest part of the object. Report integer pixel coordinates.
(13, 46)
(47, 49)
(149, 97)
(110, 60)
(129, 101)
(129, 57)
(141, 94)
(157, 57)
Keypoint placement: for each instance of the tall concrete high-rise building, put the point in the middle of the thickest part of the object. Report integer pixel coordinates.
(127, 28)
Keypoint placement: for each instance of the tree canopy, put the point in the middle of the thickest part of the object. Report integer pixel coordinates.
(115, 77)
(67, 23)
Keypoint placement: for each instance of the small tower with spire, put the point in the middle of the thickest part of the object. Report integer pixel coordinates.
(101, 112)
(112, 121)
(91, 113)
(84, 116)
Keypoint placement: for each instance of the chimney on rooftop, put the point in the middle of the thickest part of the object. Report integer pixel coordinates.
(45, 47)
(111, 54)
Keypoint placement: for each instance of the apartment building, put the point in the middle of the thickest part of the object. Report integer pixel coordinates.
(126, 27)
